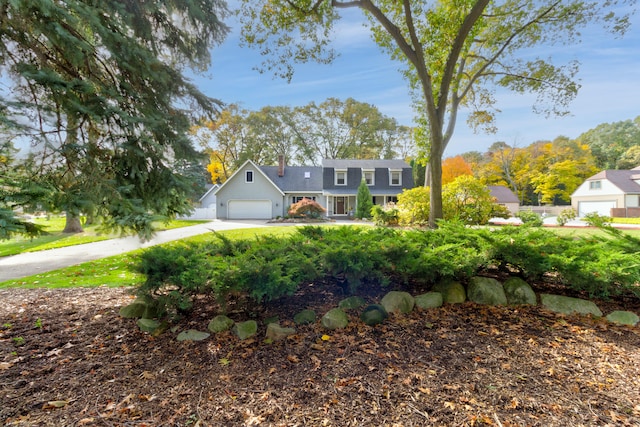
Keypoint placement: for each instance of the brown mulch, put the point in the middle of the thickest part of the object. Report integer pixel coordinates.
(68, 359)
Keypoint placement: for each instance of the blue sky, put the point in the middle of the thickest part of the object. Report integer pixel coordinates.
(609, 75)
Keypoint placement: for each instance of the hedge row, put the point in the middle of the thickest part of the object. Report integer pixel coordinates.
(268, 267)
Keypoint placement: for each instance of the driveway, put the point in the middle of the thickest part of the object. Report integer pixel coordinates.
(30, 263)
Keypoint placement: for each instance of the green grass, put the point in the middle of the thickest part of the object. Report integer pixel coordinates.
(57, 239)
(116, 271)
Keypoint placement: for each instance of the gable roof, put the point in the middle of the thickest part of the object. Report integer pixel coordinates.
(210, 188)
(251, 163)
(623, 179)
(294, 178)
(503, 194)
(364, 164)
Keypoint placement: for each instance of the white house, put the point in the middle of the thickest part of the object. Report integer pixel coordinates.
(613, 193)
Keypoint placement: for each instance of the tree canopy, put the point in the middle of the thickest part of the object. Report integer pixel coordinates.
(453, 53)
(98, 90)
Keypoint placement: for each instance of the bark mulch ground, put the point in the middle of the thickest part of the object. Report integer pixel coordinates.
(68, 359)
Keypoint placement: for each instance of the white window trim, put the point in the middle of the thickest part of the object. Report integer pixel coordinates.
(595, 185)
(373, 176)
(399, 172)
(253, 176)
(335, 178)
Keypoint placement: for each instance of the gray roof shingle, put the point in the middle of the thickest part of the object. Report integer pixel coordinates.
(364, 164)
(294, 178)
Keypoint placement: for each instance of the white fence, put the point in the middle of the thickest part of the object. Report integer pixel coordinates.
(202, 213)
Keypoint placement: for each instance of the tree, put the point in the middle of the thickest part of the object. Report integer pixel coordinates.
(468, 200)
(453, 52)
(413, 206)
(103, 86)
(364, 201)
(453, 167)
(630, 159)
(610, 141)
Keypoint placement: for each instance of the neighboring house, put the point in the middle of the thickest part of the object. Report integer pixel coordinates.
(208, 199)
(505, 197)
(609, 193)
(266, 192)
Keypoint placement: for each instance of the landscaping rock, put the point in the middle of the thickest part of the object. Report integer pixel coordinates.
(429, 300)
(220, 323)
(351, 303)
(133, 310)
(568, 305)
(276, 332)
(485, 290)
(148, 325)
(452, 292)
(192, 335)
(305, 317)
(623, 317)
(397, 301)
(246, 329)
(374, 314)
(519, 292)
(335, 319)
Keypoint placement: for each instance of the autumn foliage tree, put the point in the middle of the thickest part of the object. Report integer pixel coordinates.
(453, 167)
(306, 208)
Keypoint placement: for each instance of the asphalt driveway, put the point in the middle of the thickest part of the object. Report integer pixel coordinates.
(30, 263)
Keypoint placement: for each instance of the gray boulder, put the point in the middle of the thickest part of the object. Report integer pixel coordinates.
(397, 301)
(374, 314)
(351, 303)
(452, 292)
(335, 319)
(148, 325)
(192, 335)
(623, 318)
(140, 309)
(519, 292)
(568, 305)
(429, 300)
(305, 317)
(246, 329)
(220, 323)
(485, 290)
(276, 332)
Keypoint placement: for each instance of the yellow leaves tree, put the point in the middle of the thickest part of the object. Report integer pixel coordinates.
(453, 167)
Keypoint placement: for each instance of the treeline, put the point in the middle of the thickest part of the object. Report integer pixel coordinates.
(333, 129)
(548, 172)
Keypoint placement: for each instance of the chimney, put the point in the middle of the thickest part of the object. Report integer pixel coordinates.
(280, 165)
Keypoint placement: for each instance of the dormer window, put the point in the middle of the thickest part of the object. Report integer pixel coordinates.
(595, 185)
(395, 177)
(341, 177)
(369, 177)
(248, 176)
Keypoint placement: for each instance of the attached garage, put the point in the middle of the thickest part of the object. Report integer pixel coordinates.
(249, 209)
(602, 208)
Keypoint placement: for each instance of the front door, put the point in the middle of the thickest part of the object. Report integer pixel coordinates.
(339, 208)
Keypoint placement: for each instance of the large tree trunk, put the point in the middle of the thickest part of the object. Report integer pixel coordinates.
(73, 224)
(435, 189)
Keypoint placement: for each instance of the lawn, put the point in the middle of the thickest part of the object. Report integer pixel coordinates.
(56, 239)
(116, 271)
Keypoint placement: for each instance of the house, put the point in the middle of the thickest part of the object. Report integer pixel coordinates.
(208, 199)
(266, 192)
(609, 193)
(505, 197)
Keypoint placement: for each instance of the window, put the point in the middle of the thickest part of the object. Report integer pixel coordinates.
(341, 177)
(369, 177)
(395, 177)
(595, 185)
(248, 176)
(297, 199)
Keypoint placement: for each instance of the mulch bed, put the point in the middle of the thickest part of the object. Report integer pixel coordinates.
(68, 359)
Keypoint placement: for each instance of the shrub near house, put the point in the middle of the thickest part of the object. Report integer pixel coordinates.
(306, 208)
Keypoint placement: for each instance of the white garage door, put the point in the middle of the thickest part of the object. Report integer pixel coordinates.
(601, 208)
(249, 209)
